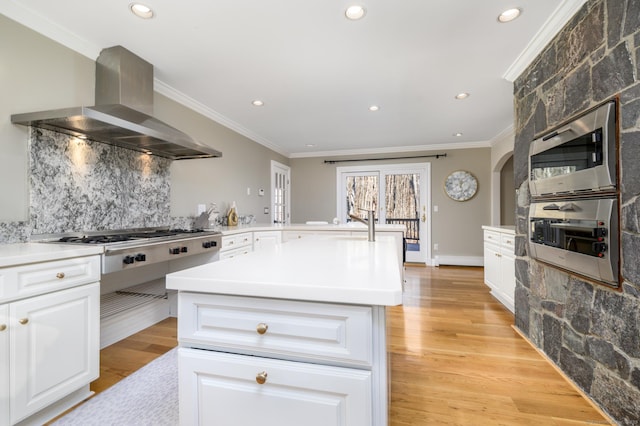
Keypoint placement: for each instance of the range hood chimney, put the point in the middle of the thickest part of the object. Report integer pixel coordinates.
(123, 114)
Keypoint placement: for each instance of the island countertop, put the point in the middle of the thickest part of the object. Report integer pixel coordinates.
(346, 269)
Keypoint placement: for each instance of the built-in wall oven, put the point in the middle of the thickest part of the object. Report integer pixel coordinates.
(573, 216)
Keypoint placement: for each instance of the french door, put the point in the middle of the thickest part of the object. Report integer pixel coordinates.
(280, 193)
(399, 194)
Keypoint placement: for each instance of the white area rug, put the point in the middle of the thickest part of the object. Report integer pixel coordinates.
(147, 397)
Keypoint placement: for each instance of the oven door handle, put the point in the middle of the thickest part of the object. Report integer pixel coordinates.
(569, 207)
(556, 133)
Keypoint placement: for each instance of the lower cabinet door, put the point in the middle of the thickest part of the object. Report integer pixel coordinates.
(235, 390)
(492, 266)
(54, 347)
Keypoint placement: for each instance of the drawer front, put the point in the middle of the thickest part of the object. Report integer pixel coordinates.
(226, 389)
(492, 236)
(507, 242)
(49, 276)
(338, 334)
(230, 242)
(230, 253)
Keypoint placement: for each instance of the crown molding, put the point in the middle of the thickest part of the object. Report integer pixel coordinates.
(181, 98)
(30, 19)
(392, 149)
(27, 17)
(558, 19)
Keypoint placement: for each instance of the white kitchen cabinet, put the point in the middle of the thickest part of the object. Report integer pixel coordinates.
(49, 347)
(236, 245)
(321, 364)
(218, 388)
(263, 239)
(499, 264)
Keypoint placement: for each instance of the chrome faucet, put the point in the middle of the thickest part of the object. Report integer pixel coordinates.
(370, 222)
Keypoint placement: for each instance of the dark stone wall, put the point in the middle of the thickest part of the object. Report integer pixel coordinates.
(590, 331)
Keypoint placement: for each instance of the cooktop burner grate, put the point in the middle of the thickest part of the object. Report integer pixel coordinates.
(123, 236)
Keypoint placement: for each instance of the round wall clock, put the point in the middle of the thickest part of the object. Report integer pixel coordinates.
(461, 185)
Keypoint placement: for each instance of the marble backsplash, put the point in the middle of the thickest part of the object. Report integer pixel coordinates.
(79, 185)
(14, 232)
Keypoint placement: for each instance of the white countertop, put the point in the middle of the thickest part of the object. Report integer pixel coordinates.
(501, 228)
(23, 253)
(352, 226)
(337, 270)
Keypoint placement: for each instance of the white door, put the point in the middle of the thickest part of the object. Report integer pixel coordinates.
(54, 347)
(280, 193)
(234, 390)
(400, 195)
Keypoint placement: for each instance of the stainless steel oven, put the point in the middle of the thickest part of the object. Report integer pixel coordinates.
(578, 158)
(578, 235)
(574, 213)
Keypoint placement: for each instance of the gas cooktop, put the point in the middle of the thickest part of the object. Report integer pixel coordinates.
(132, 248)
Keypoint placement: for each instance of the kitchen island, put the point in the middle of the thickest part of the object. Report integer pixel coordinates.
(288, 335)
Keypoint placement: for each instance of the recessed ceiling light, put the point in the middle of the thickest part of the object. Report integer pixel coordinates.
(141, 11)
(462, 95)
(257, 102)
(82, 137)
(509, 15)
(374, 108)
(355, 12)
(458, 134)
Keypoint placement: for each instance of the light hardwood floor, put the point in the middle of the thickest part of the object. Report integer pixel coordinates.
(455, 359)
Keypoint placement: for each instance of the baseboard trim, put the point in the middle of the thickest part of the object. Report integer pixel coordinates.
(458, 260)
(565, 377)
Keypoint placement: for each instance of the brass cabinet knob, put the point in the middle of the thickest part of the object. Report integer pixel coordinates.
(23, 321)
(60, 275)
(261, 378)
(3, 327)
(262, 328)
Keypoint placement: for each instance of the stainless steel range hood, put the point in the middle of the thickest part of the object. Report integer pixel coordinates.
(123, 112)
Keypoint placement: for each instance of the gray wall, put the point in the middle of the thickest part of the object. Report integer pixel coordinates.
(244, 164)
(37, 73)
(592, 332)
(456, 227)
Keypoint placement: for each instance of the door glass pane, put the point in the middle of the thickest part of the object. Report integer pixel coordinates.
(279, 198)
(362, 194)
(402, 204)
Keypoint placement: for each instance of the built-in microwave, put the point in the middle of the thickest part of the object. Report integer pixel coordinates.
(578, 158)
(579, 235)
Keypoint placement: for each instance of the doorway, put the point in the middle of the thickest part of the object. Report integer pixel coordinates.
(280, 193)
(397, 193)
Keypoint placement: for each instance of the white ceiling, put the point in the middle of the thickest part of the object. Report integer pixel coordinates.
(318, 72)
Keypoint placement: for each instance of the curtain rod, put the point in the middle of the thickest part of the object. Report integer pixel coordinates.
(436, 156)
